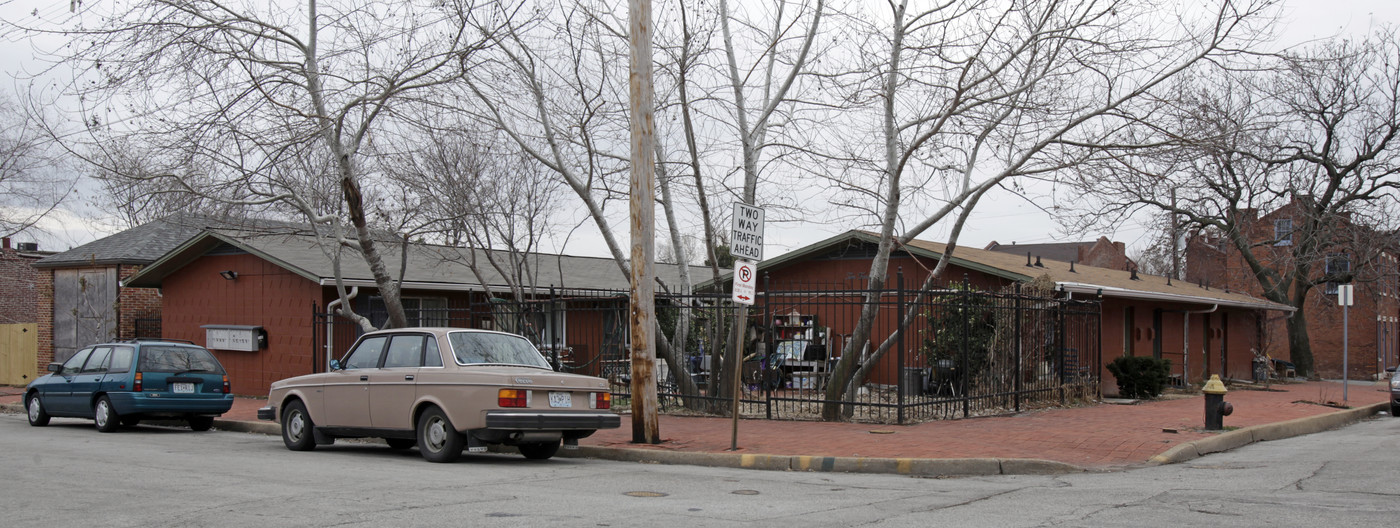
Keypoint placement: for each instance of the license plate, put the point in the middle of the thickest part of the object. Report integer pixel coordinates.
(561, 399)
(182, 388)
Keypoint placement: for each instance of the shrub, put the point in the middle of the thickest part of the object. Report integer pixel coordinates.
(1140, 377)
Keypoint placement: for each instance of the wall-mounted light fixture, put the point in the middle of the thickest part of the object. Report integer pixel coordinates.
(228, 274)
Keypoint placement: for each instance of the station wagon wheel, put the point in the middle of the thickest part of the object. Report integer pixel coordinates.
(539, 451)
(104, 416)
(297, 427)
(200, 423)
(438, 441)
(38, 416)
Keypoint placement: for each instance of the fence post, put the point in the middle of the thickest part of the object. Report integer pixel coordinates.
(965, 307)
(1060, 346)
(1016, 307)
(551, 339)
(899, 342)
(772, 346)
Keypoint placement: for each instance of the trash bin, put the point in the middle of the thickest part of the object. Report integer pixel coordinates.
(912, 381)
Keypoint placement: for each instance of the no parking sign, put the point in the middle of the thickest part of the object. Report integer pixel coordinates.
(745, 273)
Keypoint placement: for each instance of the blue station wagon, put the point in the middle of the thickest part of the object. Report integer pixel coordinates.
(120, 384)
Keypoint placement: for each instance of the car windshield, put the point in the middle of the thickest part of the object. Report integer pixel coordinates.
(178, 360)
(473, 348)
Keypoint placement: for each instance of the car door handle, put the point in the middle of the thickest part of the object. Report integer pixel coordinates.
(364, 378)
(408, 377)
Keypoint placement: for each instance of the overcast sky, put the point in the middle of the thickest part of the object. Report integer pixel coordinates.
(1004, 217)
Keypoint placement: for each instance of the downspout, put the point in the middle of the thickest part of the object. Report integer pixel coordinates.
(1186, 340)
(330, 324)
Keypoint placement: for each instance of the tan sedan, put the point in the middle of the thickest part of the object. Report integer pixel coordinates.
(442, 389)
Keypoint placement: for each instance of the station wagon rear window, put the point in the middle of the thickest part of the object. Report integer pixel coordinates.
(473, 348)
(178, 359)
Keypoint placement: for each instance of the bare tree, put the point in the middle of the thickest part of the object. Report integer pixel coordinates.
(1309, 134)
(32, 181)
(967, 96)
(273, 104)
(472, 190)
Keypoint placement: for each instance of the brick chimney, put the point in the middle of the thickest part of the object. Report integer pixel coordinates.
(7, 242)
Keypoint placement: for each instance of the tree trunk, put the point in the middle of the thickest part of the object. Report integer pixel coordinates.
(1299, 347)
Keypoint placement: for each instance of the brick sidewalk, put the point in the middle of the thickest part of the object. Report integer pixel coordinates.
(1097, 436)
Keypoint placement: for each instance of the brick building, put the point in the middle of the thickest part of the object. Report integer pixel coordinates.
(79, 295)
(19, 282)
(1202, 331)
(1368, 261)
(281, 284)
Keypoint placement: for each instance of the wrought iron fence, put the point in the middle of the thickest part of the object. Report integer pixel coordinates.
(147, 327)
(951, 351)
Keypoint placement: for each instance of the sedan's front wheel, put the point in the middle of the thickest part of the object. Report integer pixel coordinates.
(38, 416)
(105, 416)
(438, 441)
(297, 427)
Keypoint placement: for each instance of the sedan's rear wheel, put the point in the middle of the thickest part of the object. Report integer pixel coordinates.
(297, 427)
(104, 416)
(438, 440)
(38, 416)
(539, 451)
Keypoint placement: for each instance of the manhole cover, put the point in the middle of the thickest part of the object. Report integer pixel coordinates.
(745, 492)
(644, 494)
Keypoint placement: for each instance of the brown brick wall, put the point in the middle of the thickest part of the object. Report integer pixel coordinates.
(135, 303)
(263, 295)
(43, 314)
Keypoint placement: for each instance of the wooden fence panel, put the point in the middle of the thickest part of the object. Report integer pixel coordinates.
(19, 353)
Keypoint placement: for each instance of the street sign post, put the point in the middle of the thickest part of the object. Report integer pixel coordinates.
(746, 237)
(1344, 299)
(746, 245)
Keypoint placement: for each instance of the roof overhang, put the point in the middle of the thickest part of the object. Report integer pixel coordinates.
(1122, 293)
(151, 276)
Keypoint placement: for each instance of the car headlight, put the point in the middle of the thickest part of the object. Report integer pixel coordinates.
(1395, 381)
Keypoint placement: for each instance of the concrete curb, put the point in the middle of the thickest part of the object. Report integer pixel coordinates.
(923, 467)
(1265, 432)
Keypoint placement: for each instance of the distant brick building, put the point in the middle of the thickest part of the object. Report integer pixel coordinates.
(1373, 319)
(19, 282)
(1101, 253)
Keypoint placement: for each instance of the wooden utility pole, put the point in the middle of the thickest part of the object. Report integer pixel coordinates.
(645, 427)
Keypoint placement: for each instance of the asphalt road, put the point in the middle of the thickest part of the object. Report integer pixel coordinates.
(68, 474)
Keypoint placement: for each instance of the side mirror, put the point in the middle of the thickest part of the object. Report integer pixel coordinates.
(335, 364)
(1388, 369)
(56, 368)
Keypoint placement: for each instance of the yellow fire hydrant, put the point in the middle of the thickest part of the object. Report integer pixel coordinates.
(1216, 406)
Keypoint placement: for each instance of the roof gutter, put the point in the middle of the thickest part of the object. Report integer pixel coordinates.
(1079, 287)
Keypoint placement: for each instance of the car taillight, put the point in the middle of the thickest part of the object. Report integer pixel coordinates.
(513, 398)
(226, 391)
(601, 400)
(136, 386)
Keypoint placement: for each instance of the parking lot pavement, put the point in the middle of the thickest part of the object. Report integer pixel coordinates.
(1090, 437)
